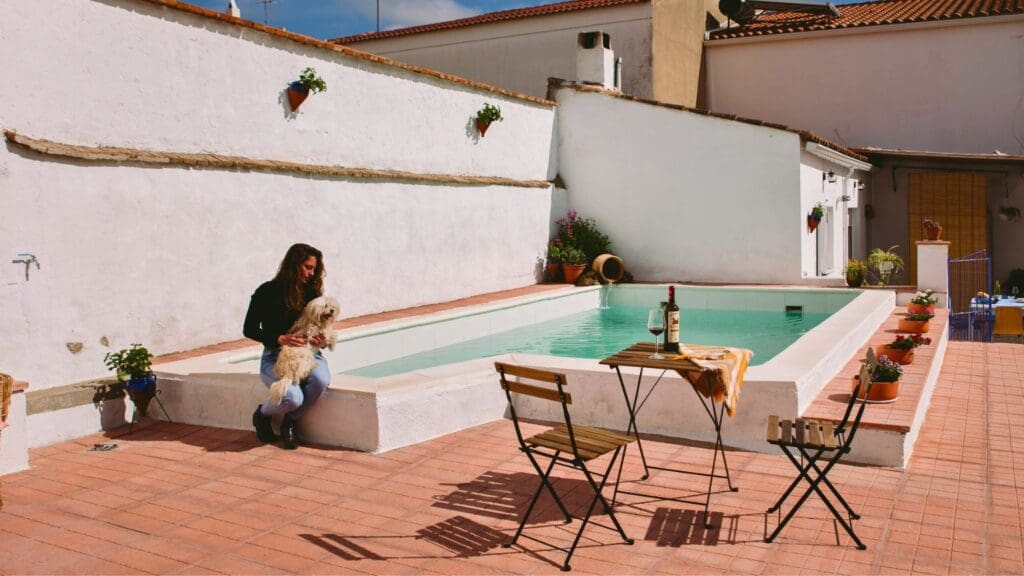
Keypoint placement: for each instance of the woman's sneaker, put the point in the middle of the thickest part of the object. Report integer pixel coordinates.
(264, 430)
(289, 433)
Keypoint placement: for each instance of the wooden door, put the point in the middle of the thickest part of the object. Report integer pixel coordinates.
(957, 201)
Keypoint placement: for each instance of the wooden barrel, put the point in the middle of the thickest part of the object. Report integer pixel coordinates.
(609, 267)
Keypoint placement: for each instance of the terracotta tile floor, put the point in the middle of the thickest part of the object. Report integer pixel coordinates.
(184, 499)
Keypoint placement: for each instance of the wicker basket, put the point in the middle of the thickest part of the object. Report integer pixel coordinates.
(6, 388)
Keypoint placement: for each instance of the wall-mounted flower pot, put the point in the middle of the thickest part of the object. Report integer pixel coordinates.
(897, 355)
(914, 326)
(881, 392)
(932, 234)
(297, 94)
(812, 222)
(572, 272)
(913, 308)
(482, 126)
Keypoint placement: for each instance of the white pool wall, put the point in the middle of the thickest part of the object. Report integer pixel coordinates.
(381, 414)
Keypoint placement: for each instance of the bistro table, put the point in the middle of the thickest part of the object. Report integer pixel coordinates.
(701, 366)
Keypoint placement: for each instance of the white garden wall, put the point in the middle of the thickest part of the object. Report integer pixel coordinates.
(686, 196)
(168, 256)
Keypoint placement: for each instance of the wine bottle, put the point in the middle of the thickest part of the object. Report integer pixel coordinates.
(671, 322)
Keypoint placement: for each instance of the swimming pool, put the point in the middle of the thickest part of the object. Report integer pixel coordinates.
(599, 333)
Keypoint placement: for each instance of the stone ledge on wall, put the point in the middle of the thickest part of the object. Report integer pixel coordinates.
(207, 160)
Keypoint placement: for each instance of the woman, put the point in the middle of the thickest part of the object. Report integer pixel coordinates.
(273, 309)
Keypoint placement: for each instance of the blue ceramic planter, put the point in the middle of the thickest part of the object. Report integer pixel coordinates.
(144, 384)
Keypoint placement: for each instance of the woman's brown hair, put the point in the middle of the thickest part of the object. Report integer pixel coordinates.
(288, 275)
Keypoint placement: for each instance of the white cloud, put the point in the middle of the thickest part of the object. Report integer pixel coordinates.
(402, 13)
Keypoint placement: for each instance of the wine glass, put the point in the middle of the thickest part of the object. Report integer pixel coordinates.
(656, 325)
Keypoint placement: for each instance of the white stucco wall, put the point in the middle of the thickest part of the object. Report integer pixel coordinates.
(815, 188)
(169, 256)
(684, 196)
(522, 54)
(949, 87)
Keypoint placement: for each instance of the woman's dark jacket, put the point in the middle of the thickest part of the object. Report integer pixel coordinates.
(267, 317)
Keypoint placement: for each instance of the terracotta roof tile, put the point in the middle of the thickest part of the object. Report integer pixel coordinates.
(877, 13)
(489, 18)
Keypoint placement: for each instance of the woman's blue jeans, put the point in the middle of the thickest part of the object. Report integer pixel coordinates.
(298, 399)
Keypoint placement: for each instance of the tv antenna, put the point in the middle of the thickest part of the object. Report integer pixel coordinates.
(266, 10)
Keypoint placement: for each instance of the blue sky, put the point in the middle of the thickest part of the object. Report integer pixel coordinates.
(334, 18)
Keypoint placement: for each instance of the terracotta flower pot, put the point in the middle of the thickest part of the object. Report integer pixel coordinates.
(812, 222)
(932, 234)
(572, 272)
(482, 127)
(913, 308)
(880, 391)
(297, 94)
(552, 271)
(897, 355)
(914, 326)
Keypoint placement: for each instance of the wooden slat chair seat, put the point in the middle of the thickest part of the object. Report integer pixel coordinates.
(6, 389)
(590, 442)
(812, 440)
(566, 444)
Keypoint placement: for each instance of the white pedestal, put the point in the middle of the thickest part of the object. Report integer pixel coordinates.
(933, 268)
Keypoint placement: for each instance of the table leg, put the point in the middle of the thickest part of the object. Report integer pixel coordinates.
(717, 418)
(632, 427)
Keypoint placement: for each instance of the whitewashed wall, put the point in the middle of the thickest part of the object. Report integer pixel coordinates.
(169, 256)
(522, 54)
(815, 188)
(684, 196)
(945, 87)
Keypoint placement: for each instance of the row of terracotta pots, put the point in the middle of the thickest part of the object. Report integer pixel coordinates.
(890, 391)
(570, 272)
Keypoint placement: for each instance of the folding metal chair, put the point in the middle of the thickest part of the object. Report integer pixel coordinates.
(566, 445)
(813, 440)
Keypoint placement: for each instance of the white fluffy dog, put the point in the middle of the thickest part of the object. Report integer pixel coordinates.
(294, 363)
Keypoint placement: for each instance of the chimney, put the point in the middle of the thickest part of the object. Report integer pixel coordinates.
(595, 60)
(232, 9)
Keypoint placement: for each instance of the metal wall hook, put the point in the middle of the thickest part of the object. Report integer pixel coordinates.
(27, 259)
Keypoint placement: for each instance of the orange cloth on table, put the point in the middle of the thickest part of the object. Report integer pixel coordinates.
(724, 368)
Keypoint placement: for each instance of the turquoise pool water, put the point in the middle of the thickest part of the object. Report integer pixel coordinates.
(600, 333)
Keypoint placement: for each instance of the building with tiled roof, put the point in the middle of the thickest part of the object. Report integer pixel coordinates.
(929, 90)
(659, 42)
(883, 13)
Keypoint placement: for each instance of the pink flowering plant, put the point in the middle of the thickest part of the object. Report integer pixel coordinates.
(886, 370)
(909, 342)
(581, 234)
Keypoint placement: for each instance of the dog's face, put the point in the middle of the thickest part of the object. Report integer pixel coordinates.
(324, 310)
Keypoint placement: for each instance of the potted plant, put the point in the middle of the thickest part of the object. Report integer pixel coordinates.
(582, 233)
(932, 230)
(923, 303)
(885, 382)
(856, 272)
(574, 261)
(554, 259)
(1009, 213)
(134, 367)
(901, 350)
(885, 263)
(299, 90)
(814, 218)
(485, 116)
(915, 323)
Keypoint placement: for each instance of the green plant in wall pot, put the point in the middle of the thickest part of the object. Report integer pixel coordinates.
(1009, 213)
(886, 264)
(814, 218)
(485, 116)
(299, 90)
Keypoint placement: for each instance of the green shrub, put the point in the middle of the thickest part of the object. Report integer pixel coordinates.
(134, 362)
